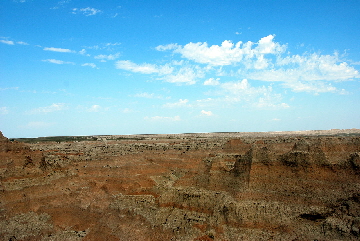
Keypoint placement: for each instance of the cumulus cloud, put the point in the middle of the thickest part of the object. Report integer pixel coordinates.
(56, 61)
(163, 118)
(92, 65)
(266, 45)
(227, 53)
(86, 11)
(265, 60)
(61, 50)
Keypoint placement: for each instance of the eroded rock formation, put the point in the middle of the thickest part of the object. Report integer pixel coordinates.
(225, 186)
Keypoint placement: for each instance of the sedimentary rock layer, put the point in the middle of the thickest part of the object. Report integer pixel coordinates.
(219, 186)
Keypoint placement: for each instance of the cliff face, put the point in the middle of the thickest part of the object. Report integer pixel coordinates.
(185, 187)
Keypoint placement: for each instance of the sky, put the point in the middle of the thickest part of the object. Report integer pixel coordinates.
(113, 67)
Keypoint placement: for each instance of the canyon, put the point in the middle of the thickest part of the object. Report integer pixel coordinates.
(301, 185)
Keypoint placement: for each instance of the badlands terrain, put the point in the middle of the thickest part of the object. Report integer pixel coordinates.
(214, 186)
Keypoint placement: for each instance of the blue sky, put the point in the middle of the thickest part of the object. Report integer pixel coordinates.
(76, 67)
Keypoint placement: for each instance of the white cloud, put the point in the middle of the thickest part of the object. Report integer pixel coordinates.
(106, 46)
(56, 61)
(96, 47)
(314, 67)
(179, 74)
(86, 11)
(83, 52)
(185, 75)
(241, 88)
(314, 87)
(270, 101)
(4, 111)
(265, 60)
(22, 43)
(180, 103)
(143, 68)
(163, 118)
(243, 92)
(104, 57)
(52, 108)
(92, 65)
(227, 53)
(308, 73)
(167, 47)
(58, 50)
(206, 113)
(9, 88)
(112, 44)
(266, 45)
(212, 81)
(9, 42)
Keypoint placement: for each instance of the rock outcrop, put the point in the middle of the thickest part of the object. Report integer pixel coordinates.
(239, 186)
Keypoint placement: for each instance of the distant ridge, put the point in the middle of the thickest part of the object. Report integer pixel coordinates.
(331, 132)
